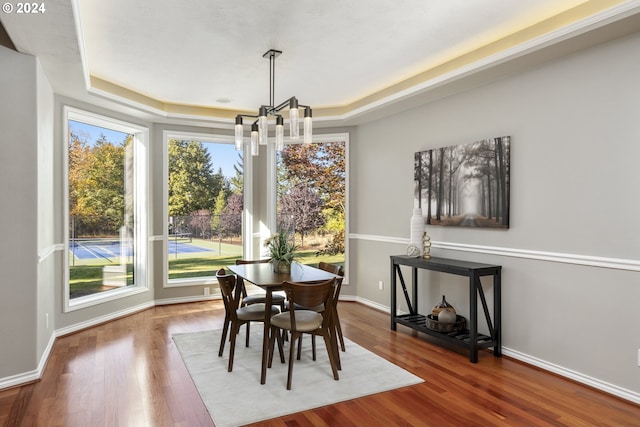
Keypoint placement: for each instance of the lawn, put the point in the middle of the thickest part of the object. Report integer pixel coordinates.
(86, 276)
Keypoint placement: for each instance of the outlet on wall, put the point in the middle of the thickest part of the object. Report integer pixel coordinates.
(381, 285)
(46, 318)
(639, 358)
(206, 290)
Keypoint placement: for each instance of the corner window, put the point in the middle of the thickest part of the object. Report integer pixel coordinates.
(106, 209)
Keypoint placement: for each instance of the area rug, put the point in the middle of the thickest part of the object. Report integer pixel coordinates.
(237, 398)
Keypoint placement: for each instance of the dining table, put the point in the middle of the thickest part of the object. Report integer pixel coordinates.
(263, 276)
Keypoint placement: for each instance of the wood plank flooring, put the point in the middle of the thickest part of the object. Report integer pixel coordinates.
(128, 373)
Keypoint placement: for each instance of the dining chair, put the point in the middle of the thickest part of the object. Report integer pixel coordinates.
(338, 271)
(236, 316)
(276, 299)
(298, 321)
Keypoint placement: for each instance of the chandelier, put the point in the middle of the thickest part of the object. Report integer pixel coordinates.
(259, 128)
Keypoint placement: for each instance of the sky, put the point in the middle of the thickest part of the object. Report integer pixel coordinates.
(222, 155)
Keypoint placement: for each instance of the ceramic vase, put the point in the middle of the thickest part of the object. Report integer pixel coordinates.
(417, 227)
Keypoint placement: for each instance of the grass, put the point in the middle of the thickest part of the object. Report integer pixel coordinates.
(86, 276)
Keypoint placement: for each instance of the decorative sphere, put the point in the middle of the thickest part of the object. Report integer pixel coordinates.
(446, 316)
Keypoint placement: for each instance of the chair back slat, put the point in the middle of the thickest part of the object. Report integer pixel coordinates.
(227, 283)
(331, 268)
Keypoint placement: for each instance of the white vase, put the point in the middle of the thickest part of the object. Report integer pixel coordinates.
(417, 227)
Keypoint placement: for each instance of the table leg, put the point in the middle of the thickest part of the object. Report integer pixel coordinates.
(393, 296)
(265, 336)
(473, 318)
(497, 313)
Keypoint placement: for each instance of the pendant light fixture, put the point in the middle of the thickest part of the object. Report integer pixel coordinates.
(259, 128)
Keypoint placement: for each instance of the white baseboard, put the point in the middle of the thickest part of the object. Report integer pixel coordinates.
(573, 375)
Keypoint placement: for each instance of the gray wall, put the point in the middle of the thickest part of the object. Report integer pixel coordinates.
(18, 213)
(575, 147)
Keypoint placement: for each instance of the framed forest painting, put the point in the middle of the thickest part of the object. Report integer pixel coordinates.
(465, 185)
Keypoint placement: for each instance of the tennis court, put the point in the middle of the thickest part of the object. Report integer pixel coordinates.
(108, 248)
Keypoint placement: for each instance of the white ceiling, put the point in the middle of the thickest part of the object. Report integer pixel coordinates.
(336, 53)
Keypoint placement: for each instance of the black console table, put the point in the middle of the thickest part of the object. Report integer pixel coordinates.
(468, 338)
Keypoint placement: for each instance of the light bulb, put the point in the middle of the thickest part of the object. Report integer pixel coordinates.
(294, 131)
(279, 133)
(308, 126)
(262, 126)
(239, 133)
(255, 148)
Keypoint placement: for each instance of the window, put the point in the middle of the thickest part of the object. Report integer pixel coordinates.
(205, 188)
(311, 194)
(106, 209)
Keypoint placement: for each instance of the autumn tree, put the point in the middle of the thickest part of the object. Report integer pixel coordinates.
(97, 184)
(303, 207)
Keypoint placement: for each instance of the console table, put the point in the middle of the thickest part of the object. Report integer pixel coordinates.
(468, 338)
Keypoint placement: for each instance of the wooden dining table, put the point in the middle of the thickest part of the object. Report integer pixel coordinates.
(262, 275)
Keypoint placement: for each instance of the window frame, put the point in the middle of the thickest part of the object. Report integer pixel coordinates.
(247, 223)
(141, 224)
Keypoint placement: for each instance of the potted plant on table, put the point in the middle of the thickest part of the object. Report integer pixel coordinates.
(282, 251)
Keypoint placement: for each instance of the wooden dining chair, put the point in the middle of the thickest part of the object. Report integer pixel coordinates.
(298, 321)
(338, 270)
(276, 299)
(236, 316)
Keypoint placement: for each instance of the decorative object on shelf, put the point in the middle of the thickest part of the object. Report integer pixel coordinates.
(414, 251)
(282, 251)
(259, 131)
(446, 316)
(442, 305)
(426, 246)
(417, 228)
(432, 322)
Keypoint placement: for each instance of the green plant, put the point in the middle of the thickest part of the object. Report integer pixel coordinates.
(281, 247)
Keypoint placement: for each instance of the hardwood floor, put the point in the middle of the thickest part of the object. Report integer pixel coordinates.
(128, 373)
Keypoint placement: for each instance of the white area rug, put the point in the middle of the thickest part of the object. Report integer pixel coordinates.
(237, 398)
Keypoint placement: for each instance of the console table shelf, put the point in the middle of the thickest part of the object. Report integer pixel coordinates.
(468, 338)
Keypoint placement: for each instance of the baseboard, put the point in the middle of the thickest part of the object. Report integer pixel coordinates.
(182, 300)
(31, 376)
(103, 319)
(573, 375)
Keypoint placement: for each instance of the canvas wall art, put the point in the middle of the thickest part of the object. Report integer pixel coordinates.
(465, 185)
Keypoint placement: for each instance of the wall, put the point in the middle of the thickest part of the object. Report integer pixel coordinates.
(18, 213)
(571, 258)
(48, 259)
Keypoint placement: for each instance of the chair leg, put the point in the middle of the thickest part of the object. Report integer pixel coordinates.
(331, 353)
(313, 346)
(235, 328)
(272, 338)
(339, 330)
(299, 346)
(292, 351)
(248, 333)
(280, 346)
(223, 340)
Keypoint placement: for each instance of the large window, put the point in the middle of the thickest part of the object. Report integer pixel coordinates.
(106, 211)
(311, 198)
(205, 204)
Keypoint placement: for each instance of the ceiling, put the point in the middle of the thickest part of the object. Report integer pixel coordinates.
(204, 59)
